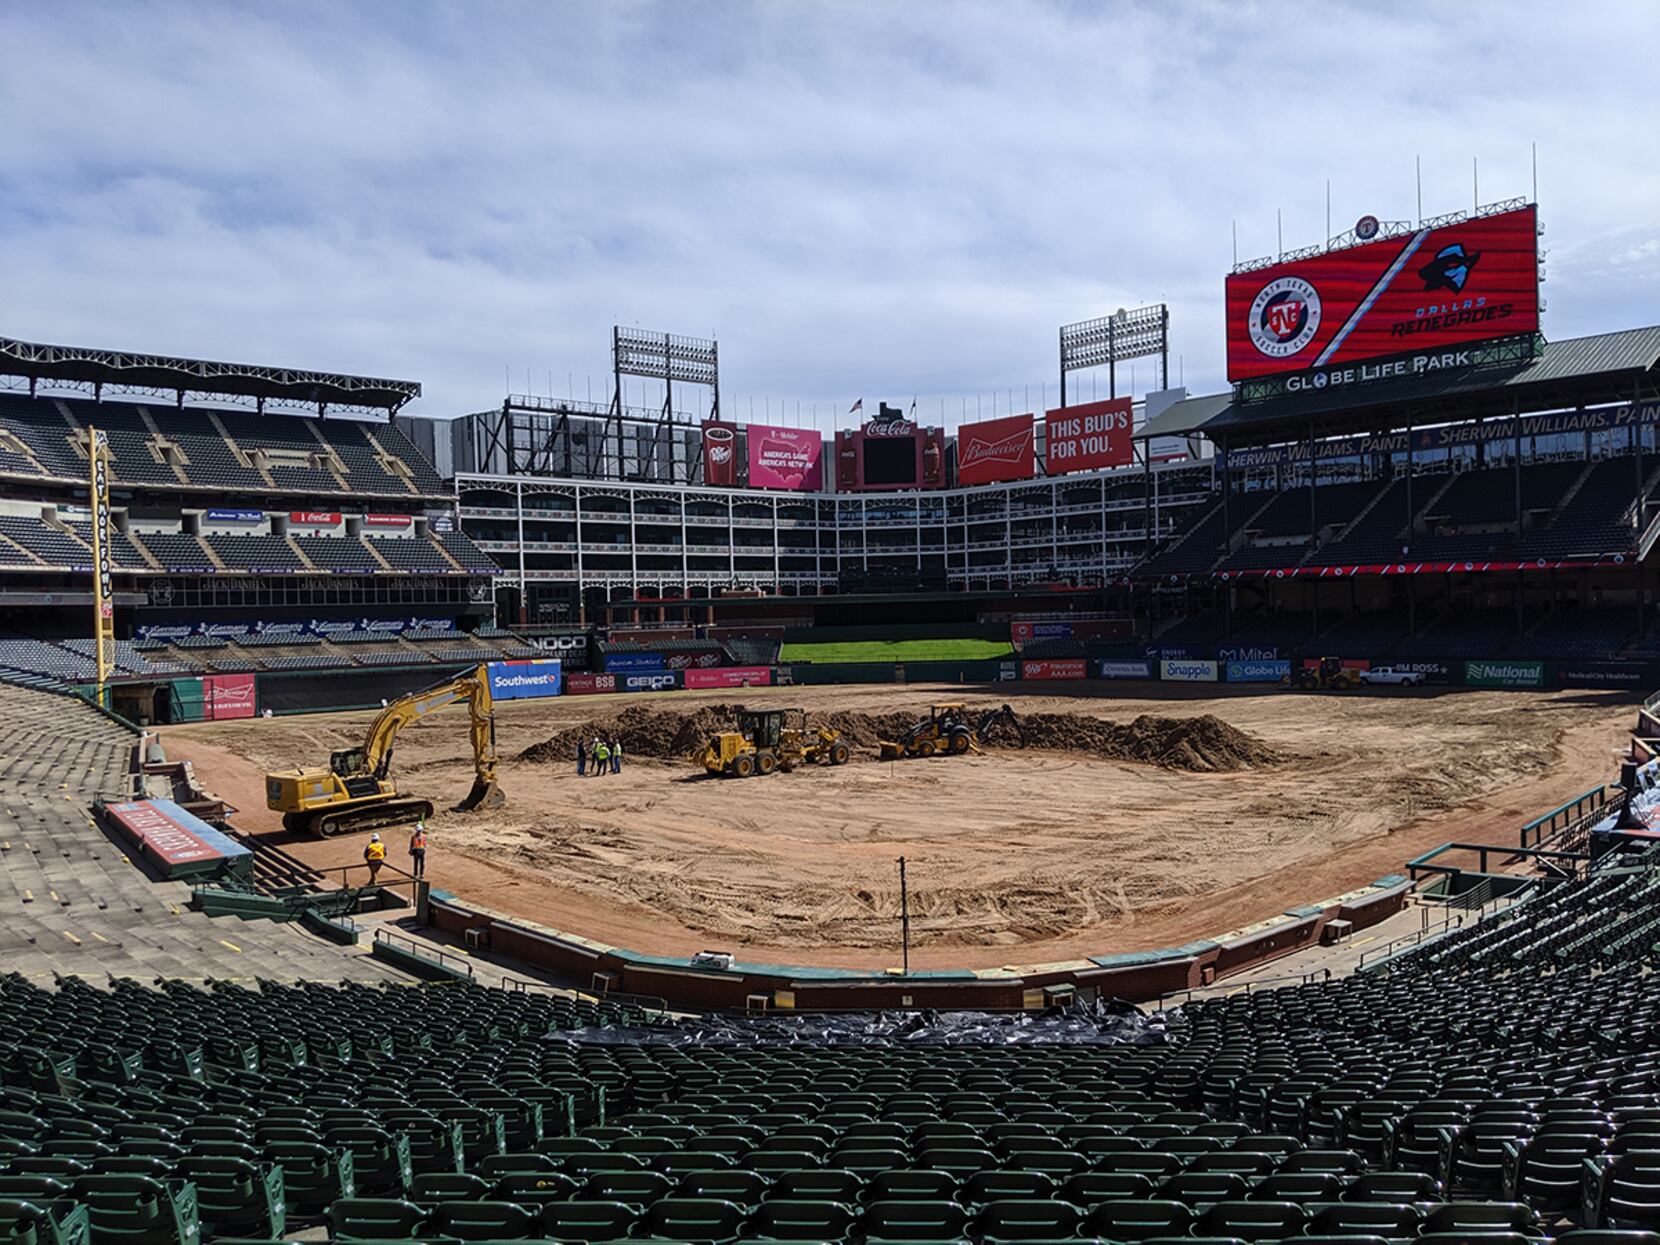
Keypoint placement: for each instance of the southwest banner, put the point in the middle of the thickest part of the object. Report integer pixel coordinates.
(785, 458)
(1088, 436)
(996, 449)
(1422, 291)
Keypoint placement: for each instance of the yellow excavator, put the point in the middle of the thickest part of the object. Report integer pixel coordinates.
(356, 791)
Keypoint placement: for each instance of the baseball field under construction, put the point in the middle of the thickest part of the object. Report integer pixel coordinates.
(1128, 820)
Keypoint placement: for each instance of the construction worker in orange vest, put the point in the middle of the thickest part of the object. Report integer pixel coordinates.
(418, 849)
(375, 856)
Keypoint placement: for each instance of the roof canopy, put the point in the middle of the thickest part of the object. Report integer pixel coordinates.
(164, 373)
(1609, 367)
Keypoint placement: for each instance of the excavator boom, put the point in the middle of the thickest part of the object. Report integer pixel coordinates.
(356, 791)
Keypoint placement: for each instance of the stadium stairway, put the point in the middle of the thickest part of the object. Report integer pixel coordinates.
(73, 902)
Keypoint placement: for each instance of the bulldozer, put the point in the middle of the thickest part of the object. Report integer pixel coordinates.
(948, 730)
(767, 740)
(1328, 674)
(356, 792)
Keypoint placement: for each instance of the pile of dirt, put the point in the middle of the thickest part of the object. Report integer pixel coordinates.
(1203, 744)
(643, 732)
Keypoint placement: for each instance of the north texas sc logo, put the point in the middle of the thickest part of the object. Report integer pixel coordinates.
(1285, 315)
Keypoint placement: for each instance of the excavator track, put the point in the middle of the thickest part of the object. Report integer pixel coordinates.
(329, 823)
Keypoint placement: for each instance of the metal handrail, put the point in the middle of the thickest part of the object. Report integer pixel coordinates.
(345, 871)
(649, 1003)
(1414, 938)
(1218, 987)
(427, 951)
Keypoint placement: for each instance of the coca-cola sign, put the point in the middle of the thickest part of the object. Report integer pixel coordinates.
(890, 428)
(314, 518)
(996, 449)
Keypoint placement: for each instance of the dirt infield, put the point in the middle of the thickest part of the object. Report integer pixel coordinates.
(1145, 819)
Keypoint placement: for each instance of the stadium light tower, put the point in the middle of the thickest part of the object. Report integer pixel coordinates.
(666, 357)
(1113, 339)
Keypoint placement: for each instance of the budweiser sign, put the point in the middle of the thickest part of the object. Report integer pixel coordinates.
(997, 449)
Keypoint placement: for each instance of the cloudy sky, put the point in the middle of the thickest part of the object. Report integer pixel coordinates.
(878, 200)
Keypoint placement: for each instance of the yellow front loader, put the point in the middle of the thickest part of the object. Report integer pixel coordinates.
(768, 740)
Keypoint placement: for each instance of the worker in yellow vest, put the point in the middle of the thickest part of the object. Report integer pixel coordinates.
(418, 849)
(374, 855)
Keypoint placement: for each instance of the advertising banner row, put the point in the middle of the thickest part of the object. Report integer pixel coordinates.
(1086, 437)
(322, 627)
(1450, 436)
(667, 659)
(668, 680)
(1023, 633)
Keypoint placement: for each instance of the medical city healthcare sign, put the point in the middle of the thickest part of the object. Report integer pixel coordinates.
(523, 680)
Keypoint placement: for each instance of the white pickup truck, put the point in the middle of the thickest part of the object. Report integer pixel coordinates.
(1389, 676)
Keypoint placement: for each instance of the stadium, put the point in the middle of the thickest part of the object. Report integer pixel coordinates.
(1213, 817)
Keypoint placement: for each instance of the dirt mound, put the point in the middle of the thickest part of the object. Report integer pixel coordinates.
(642, 731)
(1203, 744)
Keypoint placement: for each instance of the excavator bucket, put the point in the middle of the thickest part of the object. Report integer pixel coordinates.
(892, 751)
(485, 794)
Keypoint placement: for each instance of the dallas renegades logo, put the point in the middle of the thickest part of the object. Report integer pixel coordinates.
(1285, 315)
(1009, 450)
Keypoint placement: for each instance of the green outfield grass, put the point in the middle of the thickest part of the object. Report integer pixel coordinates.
(899, 650)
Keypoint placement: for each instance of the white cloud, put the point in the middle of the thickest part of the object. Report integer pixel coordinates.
(856, 198)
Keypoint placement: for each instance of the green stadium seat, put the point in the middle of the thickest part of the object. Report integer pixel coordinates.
(1026, 1219)
(56, 1222)
(917, 1184)
(534, 1188)
(313, 1175)
(429, 1188)
(581, 1222)
(743, 1188)
(800, 1219)
(915, 1220)
(1132, 1220)
(235, 1197)
(380, 1160)
(695, 1220)
(376, 1218)
(137, 1210)
(632, 1188)
(484, 1221)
